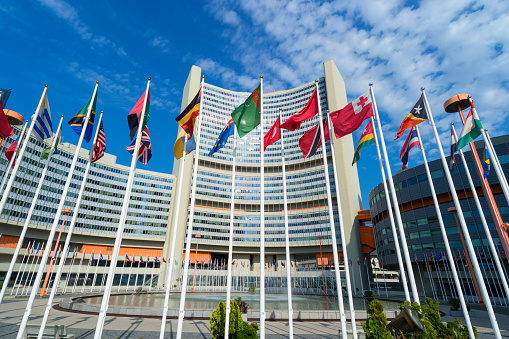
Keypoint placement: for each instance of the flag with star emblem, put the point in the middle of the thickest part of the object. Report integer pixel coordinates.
(417, 115)
(273, 135)
(228, 130)
(350, 118)
(99, 148)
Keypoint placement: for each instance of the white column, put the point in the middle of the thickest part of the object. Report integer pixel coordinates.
(463, 224)
(121, 224)
(262, 219)
(9, 165)
(44, 259)
(404, 245)
(191, 221)
(450, 257)
(230, 243)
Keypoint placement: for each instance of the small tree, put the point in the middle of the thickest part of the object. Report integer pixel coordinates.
(218, 318)
(376, 326)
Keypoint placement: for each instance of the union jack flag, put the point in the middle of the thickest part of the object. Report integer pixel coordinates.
(100, 145)
(145, 152)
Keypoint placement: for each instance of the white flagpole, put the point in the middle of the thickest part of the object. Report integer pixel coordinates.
(485, 273)
(351, 275)
(31, 274)
(6, 280)
(191, 221)
(129, 276)
(90, 260)
(385, 283)
(332, 224)
(367, 274)
(377, 287)
(70, 271)
(341, 233)
(450, 257)
(404, 245)
(121, 274)
(9, 166)
(498, 170)
(463, 224)
(136, 280)
(95, 273)
(104, 274)
(262, 218)
(70, 231)
(287, 236)
(230, 244)
(430, 278)
(391, 216)
(77, 276)
(451, 286)
(496, 160)
(145, 272)
(44, 259)
(456, 265)
(360, 277)
(30, 212)
(498, 288)
(439, 274)
(121, 224)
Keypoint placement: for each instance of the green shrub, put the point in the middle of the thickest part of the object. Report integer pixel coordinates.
(368, 294)
(376, 325)
(218, 318)
(455, 304)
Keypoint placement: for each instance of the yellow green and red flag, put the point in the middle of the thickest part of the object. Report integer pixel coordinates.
(367, 138)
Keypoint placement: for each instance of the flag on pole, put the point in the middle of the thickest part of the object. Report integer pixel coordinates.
(133, 118)
(101, 256)
(311, 140)
(141, 259)
(471, 129)
(228, 130)
(43, 128)
(164, 260)
(10, 151)
(358, 262)
(145, 151)
(5, 127)
(127, 258)
(274, 134)
(411, 141)
(439, 257)
(156, 259)
(367, 138)
(366, 261)
(247, 115)
(452, 161)
(485, 164)
(178, 148)
(47, 150)
(306, 113)
(186, 118)
(37, 251)
(350, 118)
(134, 259)
(417, 115)
(78, 120)
(100, 145)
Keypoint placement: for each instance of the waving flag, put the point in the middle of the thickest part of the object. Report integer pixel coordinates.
(452, 161)
(127, 258)
(133, 118)
(164, 260)
(411, 141)
(227, 131)
(417, 115)
(247, 115)
(100, 145)
(145, 151)
(306, 113)
(78, 120)
(5, 127)
(10, 151)
(101, 256)
(141, 259)
(186, 118)
(350, 118)
(471, 129)
(273, 135)
(156, 259)
(485, 164)
(43, 128)
(367, 138)
(311, 140)
(47, 150)
(178, 148)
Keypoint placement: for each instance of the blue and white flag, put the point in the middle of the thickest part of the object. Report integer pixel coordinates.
(228, 130)
(411, 141)
(439, 257)
(43, 129)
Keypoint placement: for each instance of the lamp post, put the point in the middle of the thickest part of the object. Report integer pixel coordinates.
(481, 302)
(321, 261)
(43, 291)
(198, 236)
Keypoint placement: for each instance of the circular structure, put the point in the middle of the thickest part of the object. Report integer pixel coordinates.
(66, 210)
(14, 118)
(461, 100)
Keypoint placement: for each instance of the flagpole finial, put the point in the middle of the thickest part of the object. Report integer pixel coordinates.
(280, 109)
(149, 79)
(26, 121)
(316, 80)
(46, 86)
(452, 123)
(102, 112)
(261, 76)
(370, 84)
(203, 76)
(97, 82)
(62, 116)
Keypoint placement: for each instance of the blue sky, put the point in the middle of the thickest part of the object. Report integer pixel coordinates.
(449, 47)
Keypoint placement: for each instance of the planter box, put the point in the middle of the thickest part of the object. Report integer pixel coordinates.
(471, 314)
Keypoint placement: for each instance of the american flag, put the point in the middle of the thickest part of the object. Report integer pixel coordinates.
(100, 145)
(145, 152)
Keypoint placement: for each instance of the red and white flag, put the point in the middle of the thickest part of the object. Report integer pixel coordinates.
(306, 113)
(350, 118)
(273, 135)
(100, 145)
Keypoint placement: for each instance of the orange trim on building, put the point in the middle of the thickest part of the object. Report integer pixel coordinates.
(130, 251)
(202, 257)
(9, 241)
(364, 215)
(367, 239)
(327, 258)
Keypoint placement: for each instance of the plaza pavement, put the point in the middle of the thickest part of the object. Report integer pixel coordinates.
(83, 325)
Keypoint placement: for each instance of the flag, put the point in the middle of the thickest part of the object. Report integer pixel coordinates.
(312, 139)
(471, 128)
(145, 151)
(306, 113)
(417, 115)
(37, 252)
(411, 141)
(148, 258)
(156, 260)
(43, 127)
(416, 261)
(439, 257)
(127, 258)
(164, 260)
(134, 259)
(178, 149)
(78, 120)
(350, 118)
(10, 151)
(5, 127)
(100, 256)
(366, 261)
(247, 115)
(133, 118)
(273, 135)
(228, 130)
(373, 262)
(358, 262)
(485, 164)
(141, 259)
(189, 114)
(452, 161)
(100, 145)
(47, 150)
(367, 138)
(28, 247)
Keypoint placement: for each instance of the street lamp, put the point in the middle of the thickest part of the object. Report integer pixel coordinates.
(198, 236)
(321, 260)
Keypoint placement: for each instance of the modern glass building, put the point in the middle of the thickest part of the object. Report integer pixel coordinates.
(306, 187)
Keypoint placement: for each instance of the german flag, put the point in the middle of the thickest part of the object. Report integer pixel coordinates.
(417, 115)
(186, 118)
